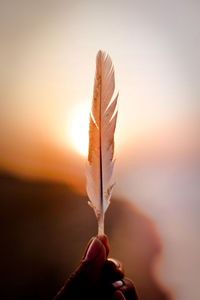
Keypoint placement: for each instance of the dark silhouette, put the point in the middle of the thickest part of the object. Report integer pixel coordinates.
(44, 228)
(98, 277)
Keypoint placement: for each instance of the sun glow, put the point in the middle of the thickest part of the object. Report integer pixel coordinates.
(80, 126)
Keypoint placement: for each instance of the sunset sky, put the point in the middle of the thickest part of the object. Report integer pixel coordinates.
(47, 60)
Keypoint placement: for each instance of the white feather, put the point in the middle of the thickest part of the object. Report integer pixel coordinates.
(102, 125)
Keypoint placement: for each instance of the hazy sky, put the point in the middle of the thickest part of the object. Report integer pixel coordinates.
(47, 59)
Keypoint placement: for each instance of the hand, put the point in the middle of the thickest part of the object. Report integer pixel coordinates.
(98, 277)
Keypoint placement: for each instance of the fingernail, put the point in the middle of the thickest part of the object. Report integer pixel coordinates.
(117, 284)
(94, 250)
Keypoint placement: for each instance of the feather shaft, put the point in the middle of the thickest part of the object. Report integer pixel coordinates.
(101, 139)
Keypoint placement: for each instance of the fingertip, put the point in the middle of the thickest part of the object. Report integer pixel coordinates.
(95, 251)
(104, 240)
(128, 289)
(88, 245)
(117, 284)
(116, 265)
(113, 270)
(118, 295)
(101, 244)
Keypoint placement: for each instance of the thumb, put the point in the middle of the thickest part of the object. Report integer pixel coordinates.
(93, 261)
(86, 278)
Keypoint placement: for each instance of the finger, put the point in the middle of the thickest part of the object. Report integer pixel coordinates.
(128, 289)
(92, 264)
(103, 239)
(113, 270)
(86, 248)
(87, 275)
(118, 295)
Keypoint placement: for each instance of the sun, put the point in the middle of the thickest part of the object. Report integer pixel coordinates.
(80, 127)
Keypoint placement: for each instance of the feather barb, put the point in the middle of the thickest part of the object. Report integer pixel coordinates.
(102, 125)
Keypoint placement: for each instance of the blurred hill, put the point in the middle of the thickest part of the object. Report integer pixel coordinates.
(44, 227)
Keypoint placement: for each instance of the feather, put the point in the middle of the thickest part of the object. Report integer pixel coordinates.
(102, 125)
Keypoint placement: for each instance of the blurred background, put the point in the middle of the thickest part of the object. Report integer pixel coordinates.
(47, 65)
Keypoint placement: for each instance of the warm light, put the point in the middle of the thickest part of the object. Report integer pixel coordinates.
(80, 126)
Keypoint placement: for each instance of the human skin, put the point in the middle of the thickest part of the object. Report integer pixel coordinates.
(98, 277)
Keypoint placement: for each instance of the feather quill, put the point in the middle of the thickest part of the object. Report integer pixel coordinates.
(102, 125)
